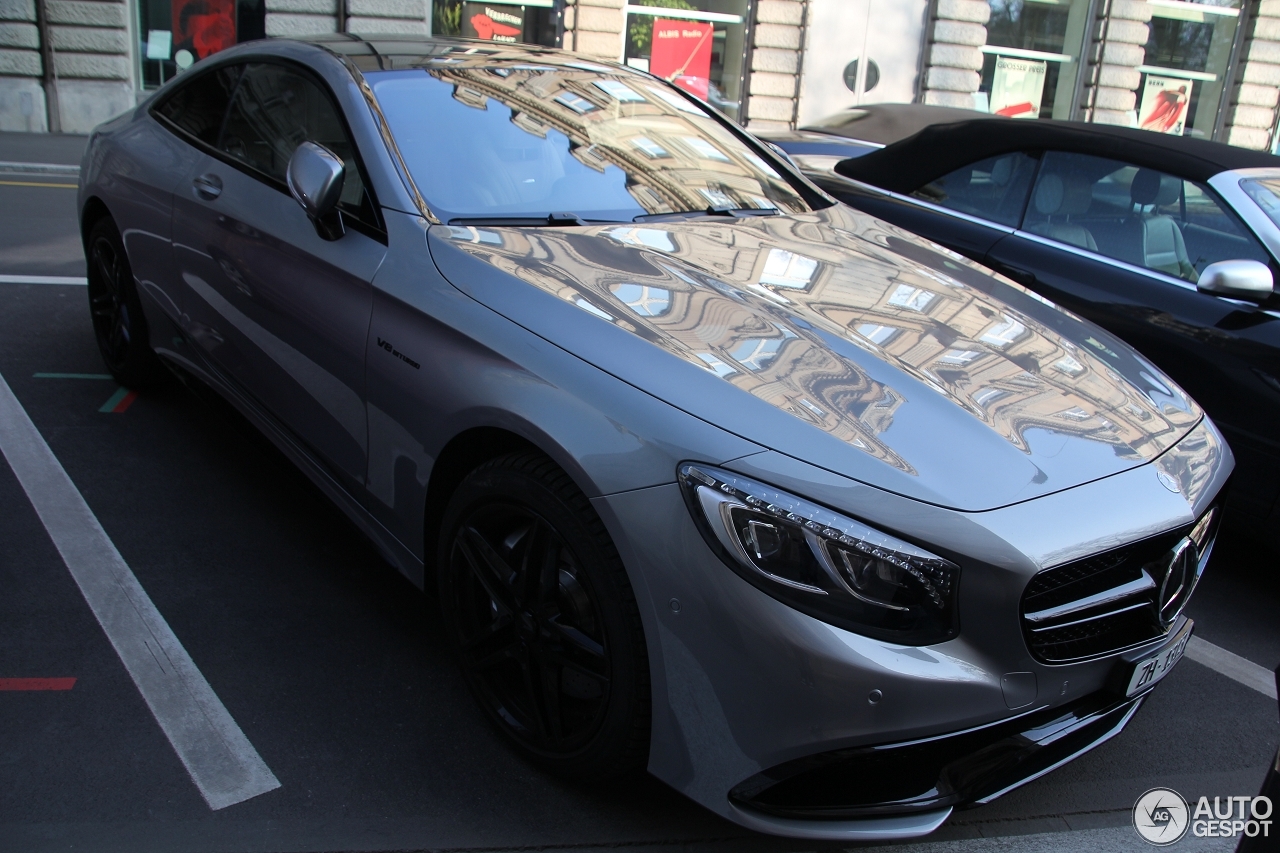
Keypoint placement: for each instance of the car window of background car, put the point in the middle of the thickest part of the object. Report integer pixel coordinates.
(516, 139)
(198, 106)
(1265, 193)
(994, 189)
(276, 109)
(1141, 216)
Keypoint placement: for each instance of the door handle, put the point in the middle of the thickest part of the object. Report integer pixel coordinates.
(208, 186)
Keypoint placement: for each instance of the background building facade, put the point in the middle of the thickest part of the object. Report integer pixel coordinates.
(1206, 68)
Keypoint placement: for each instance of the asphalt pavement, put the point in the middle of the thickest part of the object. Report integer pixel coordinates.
(334, 667)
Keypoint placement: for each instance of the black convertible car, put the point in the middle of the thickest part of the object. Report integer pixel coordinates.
(1170, 243)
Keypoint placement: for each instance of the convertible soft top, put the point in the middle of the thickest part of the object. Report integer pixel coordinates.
(885, 124)
(943, 148)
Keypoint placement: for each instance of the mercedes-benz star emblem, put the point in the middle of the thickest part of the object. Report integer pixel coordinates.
(1175, 586)
(1168, 481)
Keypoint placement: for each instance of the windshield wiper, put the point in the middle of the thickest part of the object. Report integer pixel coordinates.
(734, 212)
(551, 219)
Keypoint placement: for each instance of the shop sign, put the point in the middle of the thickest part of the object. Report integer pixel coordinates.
(681, 53)
(1017, 87)
(1164, 104)
(492, 22)
(203, 27)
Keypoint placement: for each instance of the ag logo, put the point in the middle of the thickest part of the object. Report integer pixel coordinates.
(1161, 816)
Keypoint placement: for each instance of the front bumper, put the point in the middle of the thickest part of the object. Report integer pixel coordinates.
(927, 775)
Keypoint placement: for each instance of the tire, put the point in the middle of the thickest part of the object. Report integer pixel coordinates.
(564, 676)
(119, 325)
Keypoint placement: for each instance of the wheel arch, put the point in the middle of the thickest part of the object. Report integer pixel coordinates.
(462, 454)
(94, 208)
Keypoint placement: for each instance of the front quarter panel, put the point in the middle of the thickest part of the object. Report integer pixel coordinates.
(439, 363)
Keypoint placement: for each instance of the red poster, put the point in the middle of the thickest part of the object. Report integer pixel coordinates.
(203, 27)
(682, 54)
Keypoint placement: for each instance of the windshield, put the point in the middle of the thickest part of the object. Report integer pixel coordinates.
(487, 138)
(1265, 193)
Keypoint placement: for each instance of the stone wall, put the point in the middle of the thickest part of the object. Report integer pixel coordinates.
(22, 104)
(1114, 53)
(90, 40)
(595, 27)
(773, 77)
(953, 58)
(1251, 115)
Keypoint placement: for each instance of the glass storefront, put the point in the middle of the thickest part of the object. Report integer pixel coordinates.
(174, 34)
(700, 45)
(1031, 66)
(524, 21)
(1185, 73)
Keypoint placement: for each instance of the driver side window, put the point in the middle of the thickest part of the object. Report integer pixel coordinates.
(1138, 215)
(275, 109)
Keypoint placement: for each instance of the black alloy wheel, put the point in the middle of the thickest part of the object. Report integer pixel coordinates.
(543, 619)
(118, 321)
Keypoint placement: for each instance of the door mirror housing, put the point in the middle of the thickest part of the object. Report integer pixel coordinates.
(1250, 280)
(315, 177)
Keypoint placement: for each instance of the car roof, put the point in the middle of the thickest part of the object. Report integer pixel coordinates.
(397, 52)
(940, 149)
(888, 123)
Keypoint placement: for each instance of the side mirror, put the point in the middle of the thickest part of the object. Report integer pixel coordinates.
(1250, 280)
(315, 176)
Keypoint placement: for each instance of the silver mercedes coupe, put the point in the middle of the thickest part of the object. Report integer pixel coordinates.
(820, 523)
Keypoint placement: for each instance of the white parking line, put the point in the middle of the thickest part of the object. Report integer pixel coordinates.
(222, 763)
(43, 279)
(1232, 666)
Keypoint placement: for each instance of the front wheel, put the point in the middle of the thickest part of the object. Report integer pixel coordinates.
(118, 321)
(543, 619)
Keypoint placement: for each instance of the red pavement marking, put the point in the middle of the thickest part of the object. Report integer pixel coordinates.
(37, 683)
(126, 402)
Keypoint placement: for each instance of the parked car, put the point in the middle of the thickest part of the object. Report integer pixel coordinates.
(855, 131)
(826, 527)
(1170, 243)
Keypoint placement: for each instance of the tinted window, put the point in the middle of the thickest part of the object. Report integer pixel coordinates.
(516, 139)
(994, 189)
(198, 106)
(1141, 216)
(275, 110)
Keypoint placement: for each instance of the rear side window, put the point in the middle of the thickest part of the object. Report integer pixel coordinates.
(275, 110)
(198, 107)
(994, 189)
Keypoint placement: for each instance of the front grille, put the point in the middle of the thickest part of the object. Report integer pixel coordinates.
(1109, 602)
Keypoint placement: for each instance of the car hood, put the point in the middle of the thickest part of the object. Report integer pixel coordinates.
(840, 340)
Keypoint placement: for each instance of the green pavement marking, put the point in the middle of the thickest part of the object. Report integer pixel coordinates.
(71, 376)
(120, 394)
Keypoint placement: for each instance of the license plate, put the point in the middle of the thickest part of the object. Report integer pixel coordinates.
(1154, 667)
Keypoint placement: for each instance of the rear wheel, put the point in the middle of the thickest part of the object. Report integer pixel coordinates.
(118, 321)
(543, 619)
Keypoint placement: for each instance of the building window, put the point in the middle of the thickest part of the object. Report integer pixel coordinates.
(1031, 66)
(700, 45)
(523, 21)
(1184, 75)
(174, 34)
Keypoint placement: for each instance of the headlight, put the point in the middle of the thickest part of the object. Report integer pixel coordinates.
(822, 563)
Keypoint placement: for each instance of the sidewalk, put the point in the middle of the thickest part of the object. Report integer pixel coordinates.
(39, 233)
